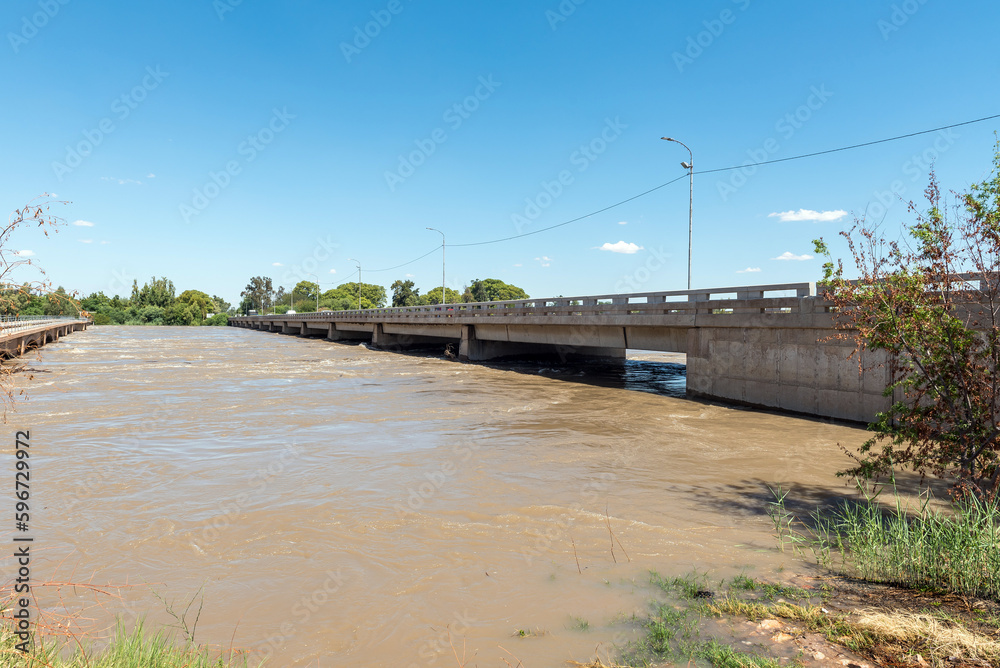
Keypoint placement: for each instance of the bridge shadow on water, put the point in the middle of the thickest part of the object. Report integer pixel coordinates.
(662, 378)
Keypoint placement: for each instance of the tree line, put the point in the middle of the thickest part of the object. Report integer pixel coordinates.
(156, 303)
(307, 297)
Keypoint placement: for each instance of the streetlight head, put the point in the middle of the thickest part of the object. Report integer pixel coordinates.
(668, 139)
(686, 165)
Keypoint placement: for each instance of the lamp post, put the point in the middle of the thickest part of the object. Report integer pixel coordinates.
(351, 259)
(690, 167)
(443, 289)
(317, 289)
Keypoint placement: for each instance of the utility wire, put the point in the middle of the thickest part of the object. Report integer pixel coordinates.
(847, 148)
(592, 213)
(406, 263)
(706, 171)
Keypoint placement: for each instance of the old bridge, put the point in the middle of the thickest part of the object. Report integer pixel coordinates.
(769, 346)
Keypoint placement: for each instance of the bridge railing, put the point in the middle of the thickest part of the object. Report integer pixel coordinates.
(10, 324)
(777, 298)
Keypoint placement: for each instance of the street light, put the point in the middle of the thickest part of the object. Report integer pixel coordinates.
(317, 289)
(443, 293)
(351, 259)
(690, 167)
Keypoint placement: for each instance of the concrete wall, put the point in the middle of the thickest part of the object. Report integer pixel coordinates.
(800, 370)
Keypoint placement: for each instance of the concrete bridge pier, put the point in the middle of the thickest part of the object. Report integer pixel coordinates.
(404, 340)
(472, 348)
(318, 331)
(346, 335)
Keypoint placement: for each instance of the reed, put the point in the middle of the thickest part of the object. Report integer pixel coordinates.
(955, 548)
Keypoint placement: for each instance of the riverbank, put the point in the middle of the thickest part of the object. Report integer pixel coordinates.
(810, 621)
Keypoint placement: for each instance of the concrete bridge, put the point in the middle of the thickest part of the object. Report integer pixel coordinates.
(768, 346)
(20, 334)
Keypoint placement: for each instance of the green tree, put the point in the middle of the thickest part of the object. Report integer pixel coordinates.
(157, 292)
(258, 293)
(94, 302)
(938, 333)
(306, 290)
(403, 294)
(345, 297)
(201, 304)
(60, 303)
(179, 314)
(493, 290)
(433, 296)
(221, 305)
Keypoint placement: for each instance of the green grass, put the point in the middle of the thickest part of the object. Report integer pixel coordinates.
(956, 550)
(672, 632)
(767, 590)
(136, 649)
(688, 587)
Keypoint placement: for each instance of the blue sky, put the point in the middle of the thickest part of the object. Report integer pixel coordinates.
(214, 141)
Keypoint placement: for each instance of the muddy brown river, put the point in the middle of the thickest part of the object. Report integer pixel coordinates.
(340, 506)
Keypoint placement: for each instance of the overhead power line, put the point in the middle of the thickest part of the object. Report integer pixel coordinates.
(705, 171)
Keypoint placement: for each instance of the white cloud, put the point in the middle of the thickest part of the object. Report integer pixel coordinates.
(24, 253)
(150, 176)
(105, 242)
(792, 256)
(277, 264)
(518, 265)
(121, 182)
(83, 223)
(623, 222)
(621, 247)
(808, 214)
(333, 271)
(748, 270)
(545, 260)
(409, 276)
(86, 241)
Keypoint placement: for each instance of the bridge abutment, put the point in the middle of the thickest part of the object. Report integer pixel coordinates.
(799, 370)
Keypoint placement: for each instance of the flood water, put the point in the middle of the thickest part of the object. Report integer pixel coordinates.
(340, 506)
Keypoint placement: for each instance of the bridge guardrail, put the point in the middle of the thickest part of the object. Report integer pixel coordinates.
(10, 324)
(754, 300)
